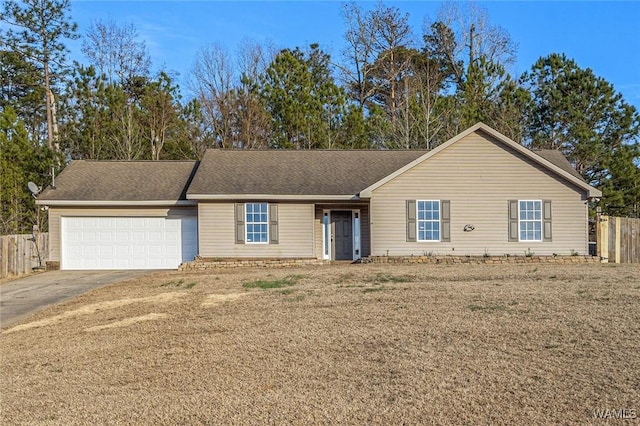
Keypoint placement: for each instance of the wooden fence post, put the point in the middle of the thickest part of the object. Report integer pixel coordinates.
(12, 254)
(4, 256)
(603, 238)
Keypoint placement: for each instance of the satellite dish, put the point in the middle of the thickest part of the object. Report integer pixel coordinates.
(35, 189)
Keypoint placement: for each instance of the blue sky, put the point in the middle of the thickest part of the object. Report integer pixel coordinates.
(603, 36)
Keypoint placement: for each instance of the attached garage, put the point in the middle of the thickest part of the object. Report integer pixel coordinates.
(127, 242)
(132, 215)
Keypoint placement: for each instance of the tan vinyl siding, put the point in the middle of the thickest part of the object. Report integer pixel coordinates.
(216, 234)
(55, 213)
(479, 176)
(365, 241)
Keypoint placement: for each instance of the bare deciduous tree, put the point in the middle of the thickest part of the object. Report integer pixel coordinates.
(359, 54)
(475, 37)
(211, 83)
(252, 120)
(116, 50)
(392, 43)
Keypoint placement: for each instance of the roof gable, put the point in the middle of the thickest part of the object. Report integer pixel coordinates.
(562, 169)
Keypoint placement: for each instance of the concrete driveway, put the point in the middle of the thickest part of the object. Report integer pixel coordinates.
(24, 296)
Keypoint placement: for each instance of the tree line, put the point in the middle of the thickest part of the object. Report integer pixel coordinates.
(386, 89)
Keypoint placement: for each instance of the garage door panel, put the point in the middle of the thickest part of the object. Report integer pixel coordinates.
(123, 235)
(154, 236)
(85, 250)
(172, 236)
(75, 251)
(127, 243)
(103, 222)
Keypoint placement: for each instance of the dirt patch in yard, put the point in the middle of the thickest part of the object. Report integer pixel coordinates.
(94, 308)
(344, 344)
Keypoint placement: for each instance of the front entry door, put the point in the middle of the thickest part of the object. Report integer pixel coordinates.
(342, 241)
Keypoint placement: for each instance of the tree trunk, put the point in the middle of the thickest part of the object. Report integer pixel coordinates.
(49, 102)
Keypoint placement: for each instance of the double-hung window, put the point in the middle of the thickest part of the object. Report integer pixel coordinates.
(428, 220)
(530, 220)
(257, 223)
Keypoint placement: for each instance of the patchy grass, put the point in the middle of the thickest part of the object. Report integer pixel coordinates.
(179, 283)
(489, 308)
(373, 289)
(339, 344)
(384, 277)
(173, 283)
(291, 280)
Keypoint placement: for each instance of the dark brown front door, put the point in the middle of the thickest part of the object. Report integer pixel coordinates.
(342, 236)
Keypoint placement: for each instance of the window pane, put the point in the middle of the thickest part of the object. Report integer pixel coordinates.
(257, 222)
(428, 220)
(530, 222)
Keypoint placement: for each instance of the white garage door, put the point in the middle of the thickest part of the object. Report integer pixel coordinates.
(127, 242)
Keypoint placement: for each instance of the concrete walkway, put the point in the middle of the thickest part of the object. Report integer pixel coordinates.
(25, 296)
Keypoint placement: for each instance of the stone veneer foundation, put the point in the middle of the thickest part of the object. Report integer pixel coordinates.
(215, 263)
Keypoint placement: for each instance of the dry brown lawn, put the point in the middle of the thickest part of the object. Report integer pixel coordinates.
(341, 344)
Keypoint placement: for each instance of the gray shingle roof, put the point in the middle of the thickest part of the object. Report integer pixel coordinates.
(276, 172)
(235, 172)
(558, 159)
(84, 180)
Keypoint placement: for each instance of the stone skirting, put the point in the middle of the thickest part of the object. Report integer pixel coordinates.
(52, 265)
(216, 263)
(480, 259)
(202, 263)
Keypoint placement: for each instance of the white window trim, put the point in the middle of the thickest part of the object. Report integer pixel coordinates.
(246, 224)
(418, 222)
(541, 221)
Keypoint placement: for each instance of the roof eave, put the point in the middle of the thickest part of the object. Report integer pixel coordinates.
(117, 203)
(305, 197)
(594, 193)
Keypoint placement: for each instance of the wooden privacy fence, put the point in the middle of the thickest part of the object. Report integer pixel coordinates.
(618, 239)
(20, 254)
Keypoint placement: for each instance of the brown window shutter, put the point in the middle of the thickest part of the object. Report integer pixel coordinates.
(546, 220)
(411, 220)
(513, 221)
(273, 223)
(239, 223)
(445, 220)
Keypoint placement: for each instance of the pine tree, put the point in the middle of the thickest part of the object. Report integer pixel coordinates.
(580, 114)
(37, 29)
